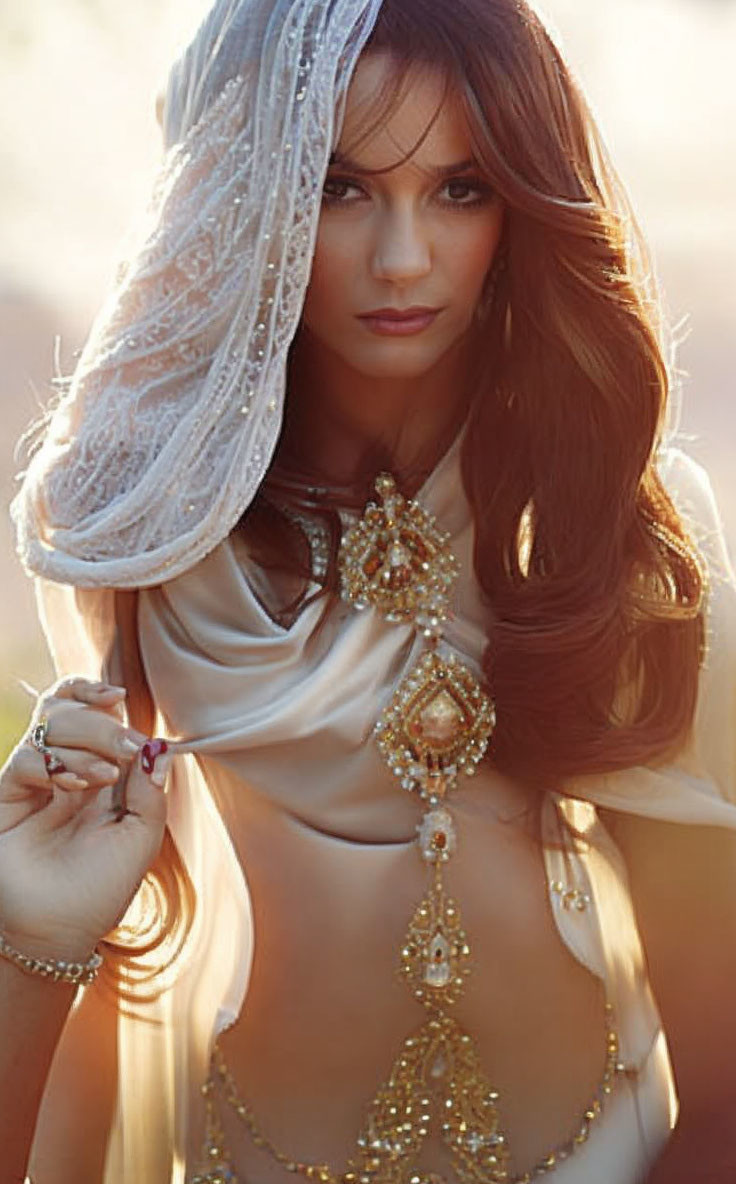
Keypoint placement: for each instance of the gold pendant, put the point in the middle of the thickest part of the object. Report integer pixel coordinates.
(396, 560)
(435, 957)
(435, 1083)
(437, 724)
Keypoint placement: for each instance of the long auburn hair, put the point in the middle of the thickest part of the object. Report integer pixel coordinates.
(594, 589)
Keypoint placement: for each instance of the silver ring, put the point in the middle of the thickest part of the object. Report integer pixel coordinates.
(39, 735)
(37, 738)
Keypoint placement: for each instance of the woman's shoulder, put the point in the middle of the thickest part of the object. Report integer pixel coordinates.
(690, 487)
(697, 786)
(692, 492)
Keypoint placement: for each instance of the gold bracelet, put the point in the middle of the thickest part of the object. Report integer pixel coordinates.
(57, 969)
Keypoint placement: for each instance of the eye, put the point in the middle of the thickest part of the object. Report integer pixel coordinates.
(333, 191)
(475, 192)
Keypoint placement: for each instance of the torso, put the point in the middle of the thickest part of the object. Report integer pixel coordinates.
(326, 1012)
(281, 720)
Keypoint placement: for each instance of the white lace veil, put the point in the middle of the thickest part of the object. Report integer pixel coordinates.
(173, 413)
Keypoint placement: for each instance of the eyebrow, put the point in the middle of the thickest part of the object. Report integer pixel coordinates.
(439, 172)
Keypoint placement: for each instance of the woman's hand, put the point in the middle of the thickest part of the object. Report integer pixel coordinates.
(68, 867)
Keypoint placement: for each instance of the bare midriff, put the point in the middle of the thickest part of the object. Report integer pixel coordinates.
(327, 1013)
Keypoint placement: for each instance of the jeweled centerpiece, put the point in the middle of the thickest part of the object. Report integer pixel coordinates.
(396, 560)
(437, 724)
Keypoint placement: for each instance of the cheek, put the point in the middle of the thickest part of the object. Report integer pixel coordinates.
(469, 253)
(332, 274)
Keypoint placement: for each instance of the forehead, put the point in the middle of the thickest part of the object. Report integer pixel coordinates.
(422, 97)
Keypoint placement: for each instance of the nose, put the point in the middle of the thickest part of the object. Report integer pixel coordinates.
(401, 248)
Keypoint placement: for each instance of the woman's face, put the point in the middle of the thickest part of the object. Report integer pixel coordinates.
(424, 234)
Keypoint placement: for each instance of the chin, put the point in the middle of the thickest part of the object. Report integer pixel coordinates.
(395, 367)
(397, 359)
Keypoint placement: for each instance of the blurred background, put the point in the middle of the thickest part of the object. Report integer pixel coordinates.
(79, 145)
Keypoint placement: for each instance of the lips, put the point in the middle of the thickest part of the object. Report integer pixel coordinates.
(395, 322)
(399, 314)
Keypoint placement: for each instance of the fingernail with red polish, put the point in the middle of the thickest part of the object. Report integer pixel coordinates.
(149, 752)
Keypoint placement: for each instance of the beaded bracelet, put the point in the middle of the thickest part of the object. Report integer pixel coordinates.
(58, 970)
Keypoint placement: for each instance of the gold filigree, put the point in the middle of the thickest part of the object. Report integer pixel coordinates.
(436, 1084)
(397, 561)
(435, 957)
(437, 724)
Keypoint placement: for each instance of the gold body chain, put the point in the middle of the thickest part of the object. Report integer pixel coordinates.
(436, 726)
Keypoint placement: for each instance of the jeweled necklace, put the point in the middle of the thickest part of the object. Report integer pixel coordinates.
(437, 726)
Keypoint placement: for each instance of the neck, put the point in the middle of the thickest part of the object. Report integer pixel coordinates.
(341, 423)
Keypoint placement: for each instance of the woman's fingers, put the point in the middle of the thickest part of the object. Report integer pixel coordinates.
(81, 769)
(71, 724)
(69, 869)
(61, 808)
(71, 858)
(152, 763)
(145, 782)
(94, 771)
(85, 691)
(134, 789)
(77, 746)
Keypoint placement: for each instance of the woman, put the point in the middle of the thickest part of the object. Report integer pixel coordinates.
(450, 271)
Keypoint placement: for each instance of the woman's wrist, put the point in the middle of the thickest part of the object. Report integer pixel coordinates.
(75, 962)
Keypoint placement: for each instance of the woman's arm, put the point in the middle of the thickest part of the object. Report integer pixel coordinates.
(73, 1128)
(32, 1016)
(68, 870)
(70, 1136)
(683, 882)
